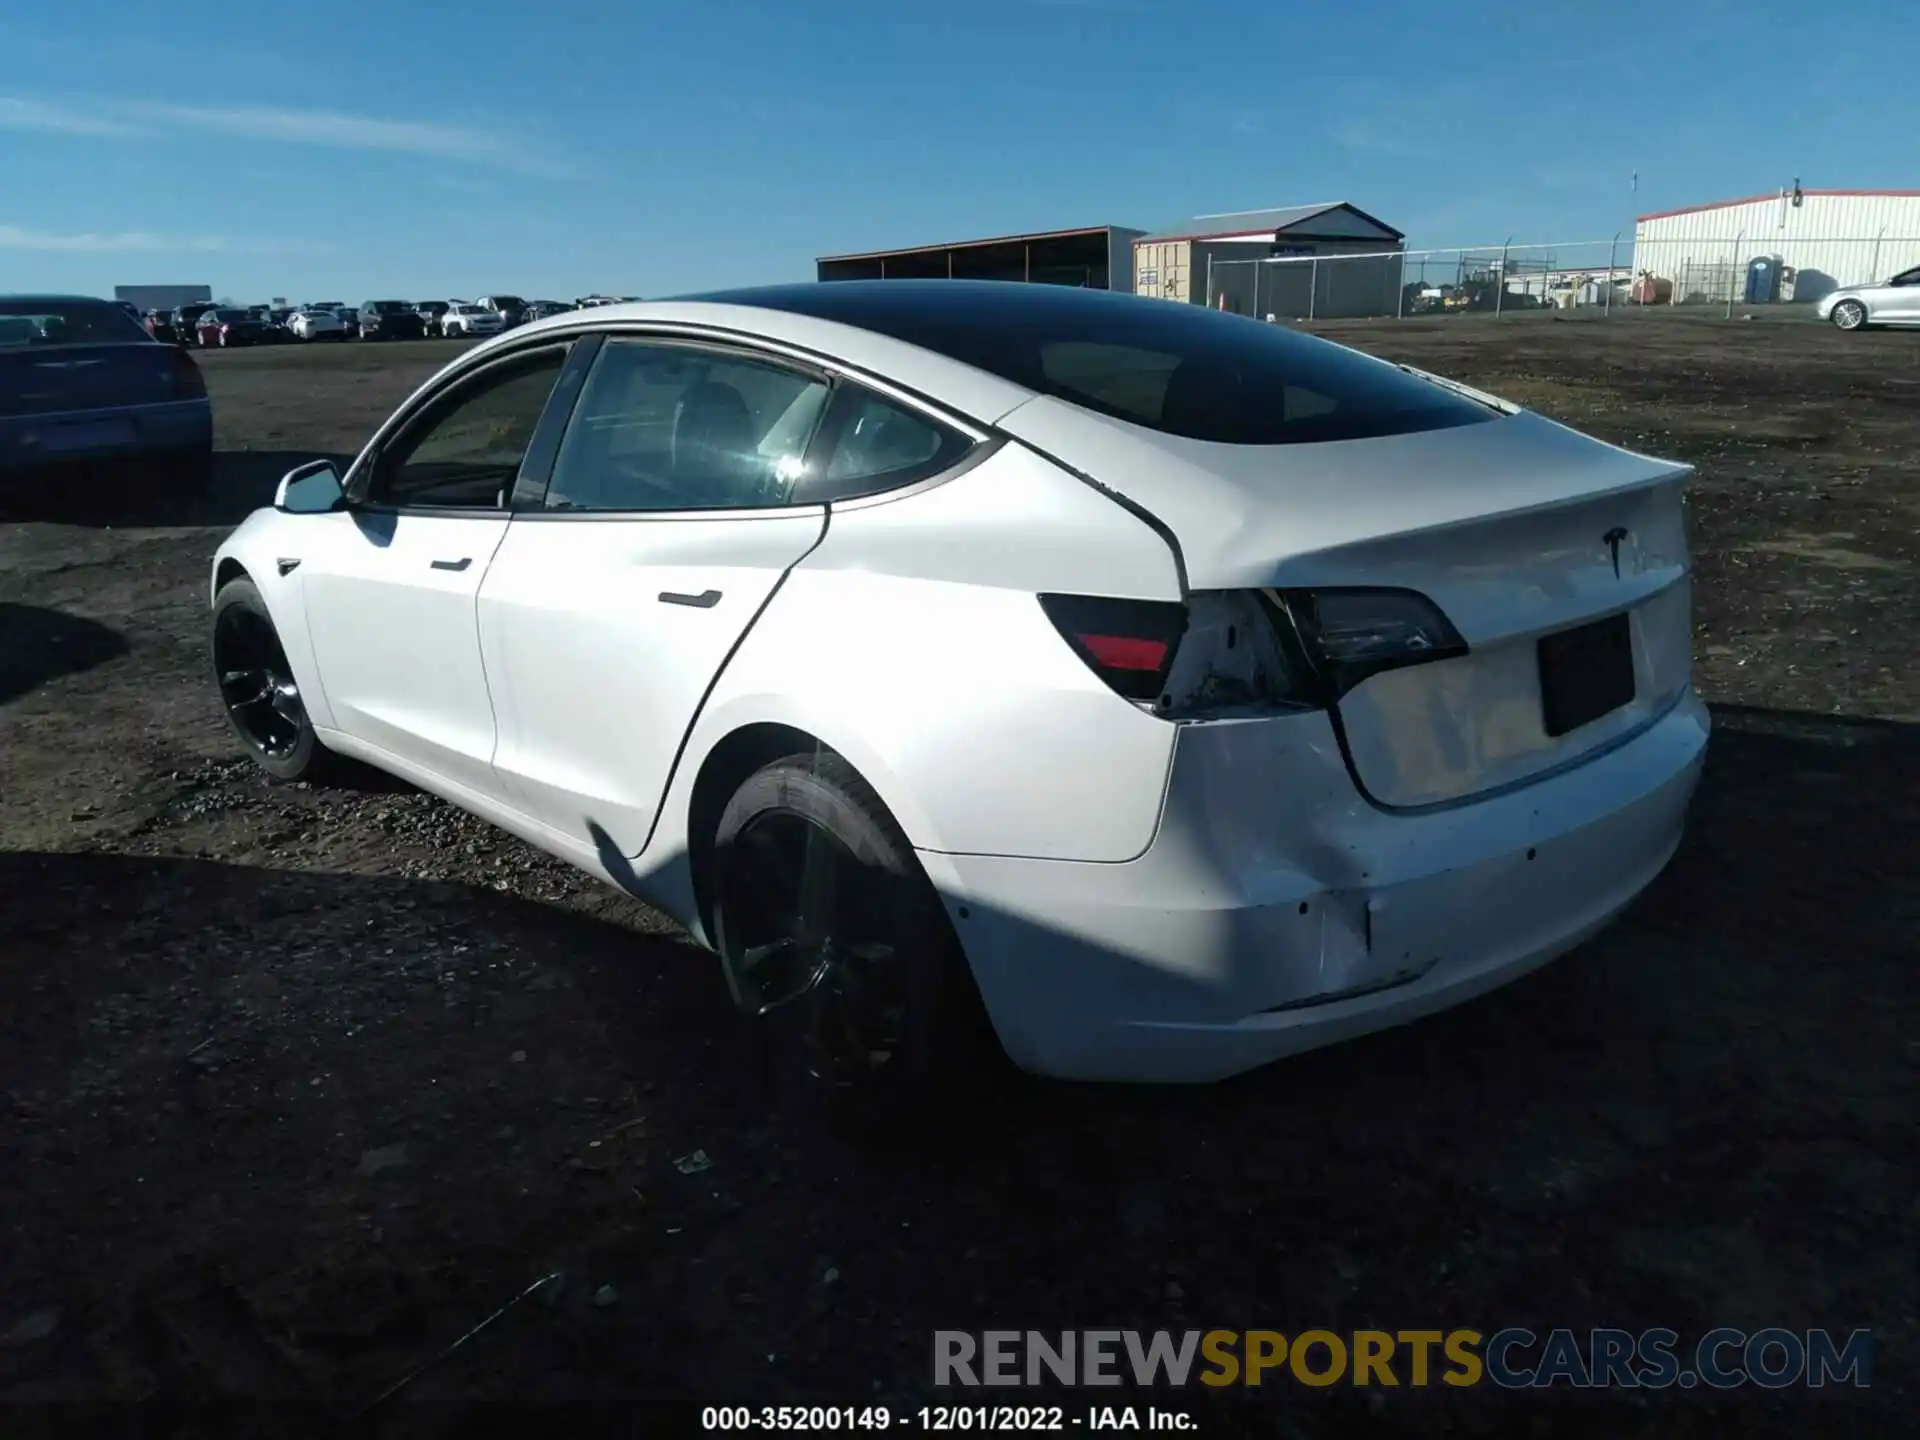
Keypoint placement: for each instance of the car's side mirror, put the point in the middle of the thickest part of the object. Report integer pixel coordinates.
(310, 489)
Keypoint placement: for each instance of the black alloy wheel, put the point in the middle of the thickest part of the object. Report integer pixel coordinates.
(812, 940)
(832, 935)
(258, 688)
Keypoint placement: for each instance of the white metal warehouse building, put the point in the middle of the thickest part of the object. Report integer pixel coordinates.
(1817, 240)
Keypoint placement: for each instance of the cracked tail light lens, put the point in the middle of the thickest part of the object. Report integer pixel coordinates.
(1129, 644)
(1351, 634)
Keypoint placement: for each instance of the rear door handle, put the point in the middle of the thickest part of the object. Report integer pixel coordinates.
(705, 600)
(459, 564)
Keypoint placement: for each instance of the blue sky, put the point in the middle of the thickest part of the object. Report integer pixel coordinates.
(567, 146)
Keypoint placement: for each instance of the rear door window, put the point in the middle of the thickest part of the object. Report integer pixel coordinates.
(65, 322)
(678, 427)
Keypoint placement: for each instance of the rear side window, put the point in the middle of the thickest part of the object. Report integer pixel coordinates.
(870, 444)
(1177, 368)
(65, 322)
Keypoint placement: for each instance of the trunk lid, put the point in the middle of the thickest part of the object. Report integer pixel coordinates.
(55, 379)
(1512, 527)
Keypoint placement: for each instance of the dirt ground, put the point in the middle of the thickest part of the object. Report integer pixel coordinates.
(301, 1086)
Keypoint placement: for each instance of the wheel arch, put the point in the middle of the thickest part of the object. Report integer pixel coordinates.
(727, 764)
(724, 770)
(226, 570)
(249, 554)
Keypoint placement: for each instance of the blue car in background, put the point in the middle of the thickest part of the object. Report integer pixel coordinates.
(89, 399)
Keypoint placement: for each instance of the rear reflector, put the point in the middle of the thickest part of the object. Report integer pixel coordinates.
(1129, 644)
(1123, 652)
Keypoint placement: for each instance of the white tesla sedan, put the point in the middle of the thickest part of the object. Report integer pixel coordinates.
(1155, 691)
(316, 324)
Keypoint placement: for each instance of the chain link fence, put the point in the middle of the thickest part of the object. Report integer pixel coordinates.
(1759, 269)
(1597, 277)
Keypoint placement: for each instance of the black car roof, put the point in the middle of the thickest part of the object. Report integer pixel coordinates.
(1006, 328)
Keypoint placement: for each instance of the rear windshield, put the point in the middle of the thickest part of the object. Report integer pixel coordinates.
(66, 322)
(1177, 368)
(393, 307)
(509, 302)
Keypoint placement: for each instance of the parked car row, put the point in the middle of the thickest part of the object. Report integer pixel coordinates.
(209, 325)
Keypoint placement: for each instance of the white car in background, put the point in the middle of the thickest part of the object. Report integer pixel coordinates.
(467, 321)
(1892, 302)
(1154, 691)
(316, 324)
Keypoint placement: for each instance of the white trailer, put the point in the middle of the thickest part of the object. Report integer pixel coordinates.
(163, 297)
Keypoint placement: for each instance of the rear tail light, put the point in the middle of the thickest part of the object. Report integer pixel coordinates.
(1129, 644)
(1227, 652)
(188, 382)
(1349, 635)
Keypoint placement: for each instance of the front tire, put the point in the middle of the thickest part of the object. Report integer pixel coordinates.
(1849, 315)
(832, 933)
(258, 689)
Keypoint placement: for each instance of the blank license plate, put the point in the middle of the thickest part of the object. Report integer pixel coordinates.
(1586, 673)
(87, 435)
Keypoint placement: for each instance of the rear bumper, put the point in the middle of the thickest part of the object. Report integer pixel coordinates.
(1276, 912)
(35, 443)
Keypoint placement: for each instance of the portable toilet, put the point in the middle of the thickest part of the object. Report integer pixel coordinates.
(1763, 280)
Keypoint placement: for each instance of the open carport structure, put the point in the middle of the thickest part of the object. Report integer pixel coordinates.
(1098, 257)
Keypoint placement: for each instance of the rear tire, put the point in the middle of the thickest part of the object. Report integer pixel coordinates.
(1849, 315)
(258, 691)
(813, 877)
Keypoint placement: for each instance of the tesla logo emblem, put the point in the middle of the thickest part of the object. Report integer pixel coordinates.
(1612, 541)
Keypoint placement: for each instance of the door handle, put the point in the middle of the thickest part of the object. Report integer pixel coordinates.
(459, 564)
(705, 600)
